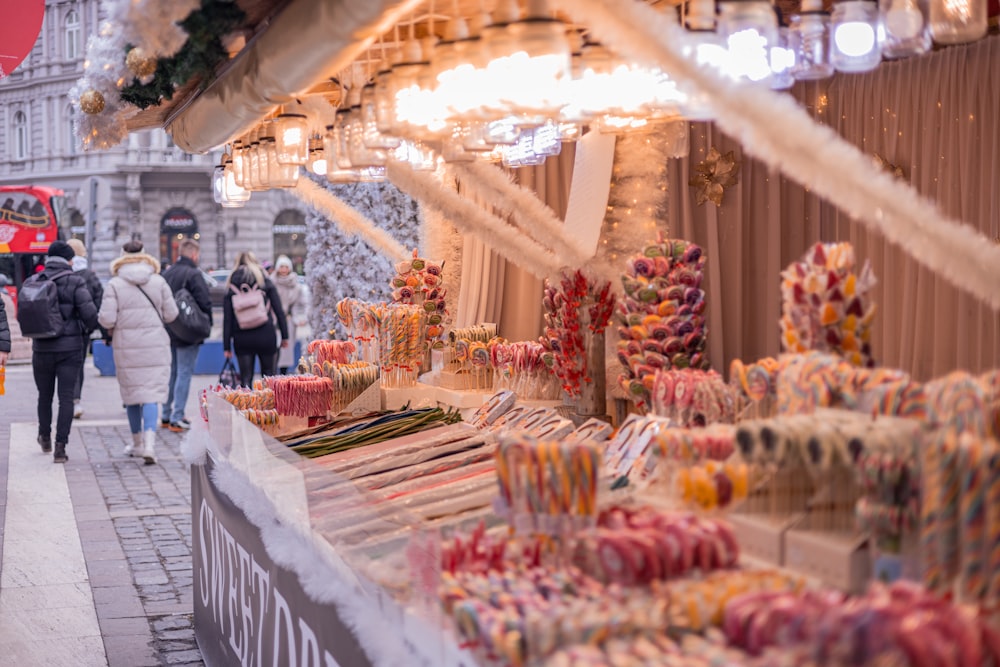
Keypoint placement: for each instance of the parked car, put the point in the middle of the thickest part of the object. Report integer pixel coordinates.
(217, 288)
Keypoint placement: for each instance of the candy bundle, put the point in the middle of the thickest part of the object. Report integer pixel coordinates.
(547, 487)
(331, 351)
(692, 397)
(637, 546)
(472, 360)
(349, 380)
(418, 282)
(520, 367)
(361, 321)
(901, 618)
(712, 485)
(575, 310)
(661, 315)
(889, 473)
(825, 305)
(371, 431)
(960, 516)
(482, 333)
(261, 418)
(756, 386)
(813, 380)
(498, 405)
(243, 398)
(299, 395)
(714, 443)
(479, 552)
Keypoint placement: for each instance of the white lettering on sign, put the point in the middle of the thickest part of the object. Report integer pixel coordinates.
(244, 605)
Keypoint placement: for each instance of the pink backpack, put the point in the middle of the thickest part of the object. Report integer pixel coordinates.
(249, 306)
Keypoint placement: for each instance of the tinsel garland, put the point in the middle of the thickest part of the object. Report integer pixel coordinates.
(777, 131)
(470, 218)
(351, 221)
(439, 238)
(339, 265)
(533, 217)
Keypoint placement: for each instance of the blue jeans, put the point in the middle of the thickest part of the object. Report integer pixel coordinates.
(182, 360)
(141, 417)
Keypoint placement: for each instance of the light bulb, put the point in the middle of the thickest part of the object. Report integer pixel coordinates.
(854, 39)
(904, 20)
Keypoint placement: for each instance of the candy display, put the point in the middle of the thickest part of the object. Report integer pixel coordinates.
(576, 310)
(546, 486)
(692, 397)
(661, 317)
(419, 281)
(391, 335)
(349, 380)
(756, 386)
(825, 305)
(520, 366)
(324, 352)
(299, 395)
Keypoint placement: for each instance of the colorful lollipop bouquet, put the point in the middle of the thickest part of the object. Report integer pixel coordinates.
(419, 282)
(662, 315)
(390, 335)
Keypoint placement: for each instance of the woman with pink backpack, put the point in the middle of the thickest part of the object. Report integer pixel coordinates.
(250, 310)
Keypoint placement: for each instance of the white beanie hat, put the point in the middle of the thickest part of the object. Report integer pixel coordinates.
(283, 260)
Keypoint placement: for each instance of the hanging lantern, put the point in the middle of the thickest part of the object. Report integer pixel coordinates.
(957, 21)
(369, 120)
(291, 138)
(750, 30)
(854, 47)
(317, 158)
(782, 62)
(809, 39)
(905, 31)
(359, 153)
(455, 72)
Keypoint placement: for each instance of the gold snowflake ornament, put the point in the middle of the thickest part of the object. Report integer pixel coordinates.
(713, 175)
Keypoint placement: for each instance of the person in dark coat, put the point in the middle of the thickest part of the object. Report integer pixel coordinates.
(4, 334)
(57, 360)
(184, 273)
(80, 265)
(260, 342)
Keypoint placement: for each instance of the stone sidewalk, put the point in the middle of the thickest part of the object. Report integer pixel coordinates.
(133, 521)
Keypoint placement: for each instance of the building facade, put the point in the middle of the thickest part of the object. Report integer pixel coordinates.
(146, 188)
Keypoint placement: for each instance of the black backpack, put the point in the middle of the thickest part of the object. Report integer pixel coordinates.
(38, 306)
(192, 325)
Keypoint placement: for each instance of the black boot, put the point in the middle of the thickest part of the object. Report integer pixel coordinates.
(46, 444)
(60, 454)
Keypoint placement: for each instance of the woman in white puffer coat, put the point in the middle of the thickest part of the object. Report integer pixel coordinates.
(137, 303)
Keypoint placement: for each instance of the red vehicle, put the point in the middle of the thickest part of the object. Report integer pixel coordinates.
(29, 222)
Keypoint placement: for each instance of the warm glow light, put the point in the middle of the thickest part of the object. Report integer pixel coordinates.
(748, 53)
(854, 39)
(291, 139)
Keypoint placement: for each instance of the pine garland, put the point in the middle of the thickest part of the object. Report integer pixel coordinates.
(201, 54)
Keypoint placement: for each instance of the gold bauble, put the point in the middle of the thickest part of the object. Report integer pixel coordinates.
(140, 63)
(92, 102)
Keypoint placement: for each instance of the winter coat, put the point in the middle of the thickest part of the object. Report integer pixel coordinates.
(295, 301)
(139, 339)
(186, 274)
(4, 329)
(94, 285)
(76, 306)
(260, 340)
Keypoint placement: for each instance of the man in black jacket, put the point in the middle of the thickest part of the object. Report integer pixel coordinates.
(80, 265)
(4, 334)
(184, 274)
(58, 359)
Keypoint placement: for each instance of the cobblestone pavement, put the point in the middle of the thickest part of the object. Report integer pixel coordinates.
(150, 510)
(134, 522)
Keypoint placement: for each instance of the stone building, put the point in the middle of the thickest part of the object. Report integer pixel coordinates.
(146, 188)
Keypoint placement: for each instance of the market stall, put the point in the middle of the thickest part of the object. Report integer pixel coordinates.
(424, 473)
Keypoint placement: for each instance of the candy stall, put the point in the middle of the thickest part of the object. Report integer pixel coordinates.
(729, 397)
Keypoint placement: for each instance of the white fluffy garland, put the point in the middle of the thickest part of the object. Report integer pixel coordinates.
(523, 205)
(104, 69)
(469, 217)
(440, 240)
(152, 24)
(773, 128)
(350, 220)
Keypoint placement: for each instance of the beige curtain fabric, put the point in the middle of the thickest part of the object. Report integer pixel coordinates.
(495, 290)
(934, 116)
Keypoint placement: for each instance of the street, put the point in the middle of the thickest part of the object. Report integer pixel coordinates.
(95, 554)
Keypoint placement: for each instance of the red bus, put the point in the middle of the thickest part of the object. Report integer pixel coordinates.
(29, 222)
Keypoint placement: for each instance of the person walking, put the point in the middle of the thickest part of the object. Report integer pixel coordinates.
(80, 266)
(137, 303)
(295, 302)
(260, 342)
(184, 274)
(4, 334)
(57, 361)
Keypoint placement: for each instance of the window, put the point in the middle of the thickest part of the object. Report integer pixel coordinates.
(70, 132)
(72, 25)
(20, 136)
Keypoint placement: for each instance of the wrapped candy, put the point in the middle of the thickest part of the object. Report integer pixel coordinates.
(418, 282)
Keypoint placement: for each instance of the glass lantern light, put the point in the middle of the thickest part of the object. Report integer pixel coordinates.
(233, 196)
(904, 29)
(369, 120)
(708, 49)
(317, 158)
(809, 38)
(291, 138)
(360, 154)
(253, 180)
(854, 43)
(530, 60)
(750, 29)
(405, 87)
(782, 62)
(957, 21)
(455, 72)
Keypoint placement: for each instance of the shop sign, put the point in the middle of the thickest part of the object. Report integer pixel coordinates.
(247, 610)
(289, 229)
(178, 220)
